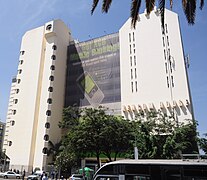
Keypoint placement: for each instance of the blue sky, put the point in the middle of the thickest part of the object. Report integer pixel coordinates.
(17, 17)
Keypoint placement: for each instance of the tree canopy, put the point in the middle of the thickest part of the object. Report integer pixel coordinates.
(98, 134)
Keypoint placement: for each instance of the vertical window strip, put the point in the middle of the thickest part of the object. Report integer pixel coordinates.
(167, 82)
(136, 85)
(132, 87)
(131, 74)
(129, 37)
(163, 41)
(166, 67)
(165, 54)
(133, 37)
(130, 48)
(172, 81)
(135, 73)
(135, 63)
(168, 41)
(131, 60)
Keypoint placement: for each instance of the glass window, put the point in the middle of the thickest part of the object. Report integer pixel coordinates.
(20, 71)
(135, 62)
(18, 81)
(47, 125)
(14, 112)
(52, 67)
(21, 62)
(133, 37)
(48, 27)
(136, 85)
(54, 47)
(163, 41)
(131, 74)
(132, 86)
(9, 143)
(49, 101)
(17, 91)
(12, 122)
(135, 73)
(44, 150)
(50, 89)
(15, 101)
(130, 48)
(22, 52)
(46, 137)
(53, 57)
(129, 37)
(130, 60)
(51, 78)
(48, 113)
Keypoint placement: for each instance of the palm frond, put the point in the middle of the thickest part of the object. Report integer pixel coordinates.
(201, 4)
(135, 6)
(150, 5)
(184, 2)
(106, 5)
(95, 3)
(190, 11)
(162, 12)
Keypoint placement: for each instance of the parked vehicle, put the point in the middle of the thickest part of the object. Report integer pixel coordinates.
(35, 176)
(11, 175)
(76, 177)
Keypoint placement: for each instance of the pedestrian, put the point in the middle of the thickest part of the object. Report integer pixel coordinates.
(45, 177)
(23, 174)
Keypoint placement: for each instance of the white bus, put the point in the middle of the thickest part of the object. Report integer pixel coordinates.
(153, 170)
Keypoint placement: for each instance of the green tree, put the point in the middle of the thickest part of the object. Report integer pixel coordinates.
(189, 8)
(203, 143)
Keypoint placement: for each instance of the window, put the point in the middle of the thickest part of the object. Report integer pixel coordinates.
(129, 37)
(14, 112)
(50, 89)
(166, 67)
(166, 30)
(134, 50)
(135, 60)
(164, 54)
(54, 47)
(12, 122)
(18, 81)
(133, 45)
(9, 143)
(20, 61)
(136, 85)
(130, 48)
(20, 71)
(17, 91)
(52, 67)
(46, 137)
(167, 82)
(47, 125)
(172, 81)
(168, 41)
(22, 52)
(135, 73)
(48, 113)
(170, 66)
(15, 101)
(131, 74)
(48, 27)
(49, 101)
(163, 41)
(53, 57)
(51, 78)
(44, 150)
(130, 60)
(132, 86)
(133, 37)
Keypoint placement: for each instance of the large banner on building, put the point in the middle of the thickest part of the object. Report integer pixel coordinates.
(93, 72)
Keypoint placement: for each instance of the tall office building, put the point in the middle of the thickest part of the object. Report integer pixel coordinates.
(134, 70)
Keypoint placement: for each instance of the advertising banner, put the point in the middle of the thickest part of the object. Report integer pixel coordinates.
(93, 72)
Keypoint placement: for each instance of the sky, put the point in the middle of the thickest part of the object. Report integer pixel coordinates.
(19, 16)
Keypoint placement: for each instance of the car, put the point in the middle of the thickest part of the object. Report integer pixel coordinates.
(35, 176)
(76, 177)
(12, 175)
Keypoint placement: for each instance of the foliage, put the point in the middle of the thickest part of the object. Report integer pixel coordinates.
(93, 132)
(203, 143)
(189, 8)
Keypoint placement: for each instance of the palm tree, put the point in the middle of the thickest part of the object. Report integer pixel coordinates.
(189, 8)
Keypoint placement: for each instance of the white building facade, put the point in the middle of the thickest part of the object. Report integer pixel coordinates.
(37, 96)
(139, 69)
